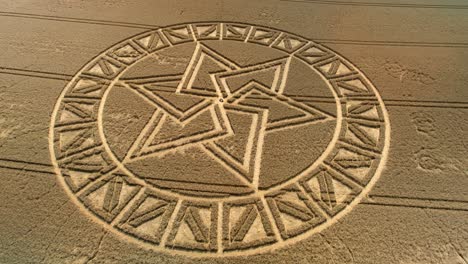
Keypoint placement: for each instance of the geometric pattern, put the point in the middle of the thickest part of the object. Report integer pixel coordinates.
(293, 211)
(246, 225)
(202, 108)
(179, 104)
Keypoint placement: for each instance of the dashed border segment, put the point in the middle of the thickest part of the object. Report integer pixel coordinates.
(155, 220)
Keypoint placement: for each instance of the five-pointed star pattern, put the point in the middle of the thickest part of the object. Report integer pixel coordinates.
(220, 107)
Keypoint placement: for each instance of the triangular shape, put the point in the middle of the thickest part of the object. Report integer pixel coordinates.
(357, 83)
(163, 95)
(289, 43)
(108, 196)
(363, 134)
(263, 36)
(73, 141)
(190, 231)
(313, 54)
(236, 212)
(104, 67)
(255, 231)
(198, 79)
(353, 163)
(250, 229)
(207, 31)
(293, 211)
(327, 190)
(151, 209)
(185, 234)
(127, 53)
(342, 192)
(152, 41)
(180, 34)
(235, 31)
(165, 133)
(81, 109)
(330, 189)
(359, 172)
(96, 198)
(342, 70)
(172, 130)
(314, 185)
(92, 161)
(350, 159)
(69, 117)
(79, 178)
(89, 159)
(77, 113)
(151, 226)
(266, 77)
(291, 222)
(363, 110)
(335, 68)
(352, 85)
(203, 81)
(277, 110)
(148, 217)
(270, 74)
(88, 87)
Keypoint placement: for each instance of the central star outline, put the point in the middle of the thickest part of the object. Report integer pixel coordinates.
(224, 99)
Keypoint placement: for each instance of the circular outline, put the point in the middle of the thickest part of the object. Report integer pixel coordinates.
(258, 250)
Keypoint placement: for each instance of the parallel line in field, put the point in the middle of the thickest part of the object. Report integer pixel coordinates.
(393, 43)
(384, 4)
(79, 20)
(38, 74)
(321, 40)
(311, 99)
(378, 199)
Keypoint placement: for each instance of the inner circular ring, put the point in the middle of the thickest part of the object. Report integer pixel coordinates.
(257, 193)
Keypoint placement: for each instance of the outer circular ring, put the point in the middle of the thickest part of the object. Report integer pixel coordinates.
(84, 168)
